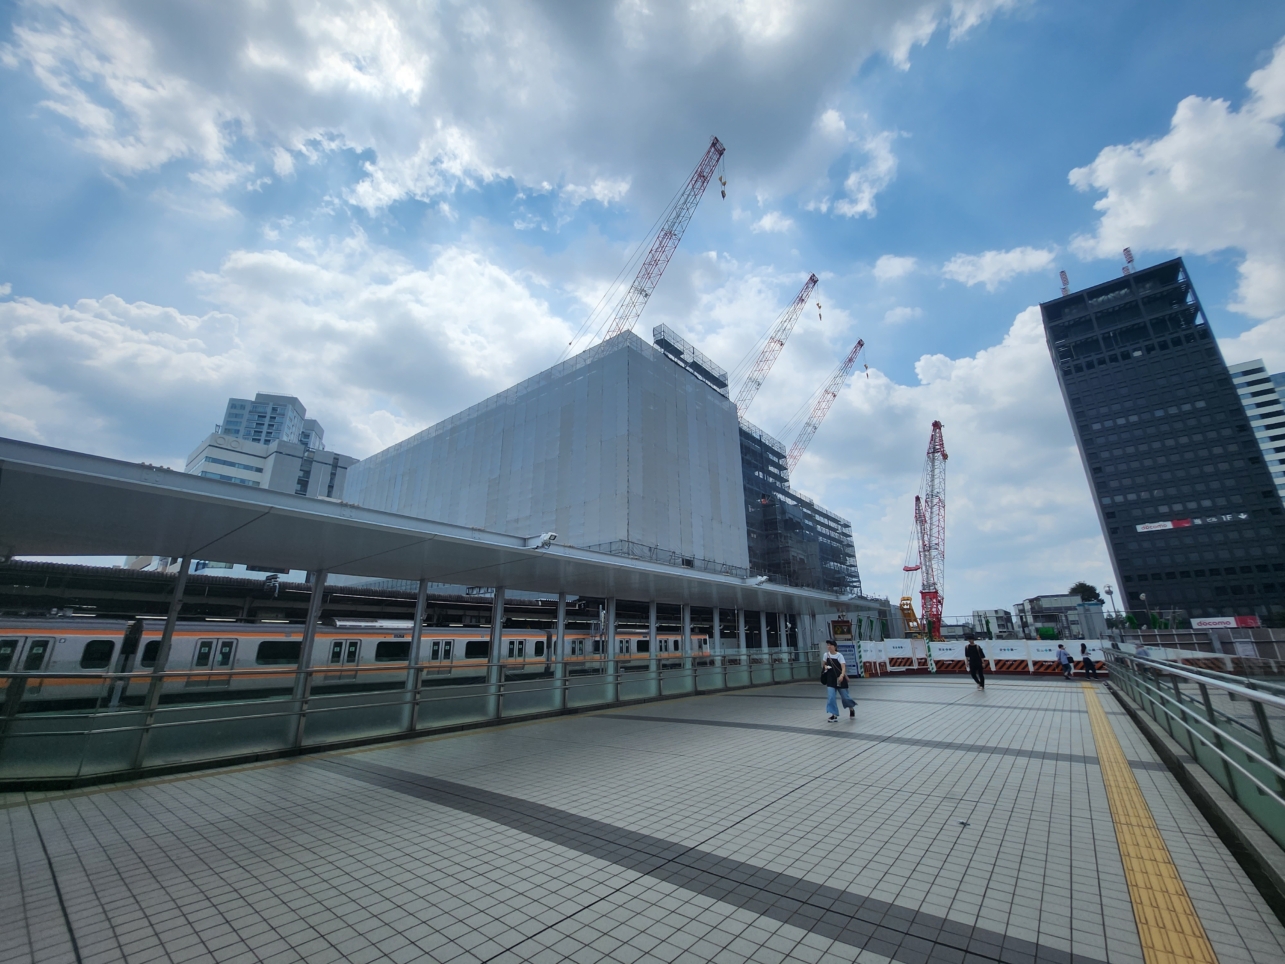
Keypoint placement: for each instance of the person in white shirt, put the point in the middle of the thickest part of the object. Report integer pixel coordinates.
(834, 670)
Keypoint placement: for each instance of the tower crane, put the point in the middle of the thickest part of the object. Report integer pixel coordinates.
(822, 406)
(929, 539)
(671, 231)
(772, 350)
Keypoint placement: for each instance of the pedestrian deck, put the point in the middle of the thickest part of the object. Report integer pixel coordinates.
(942, 824)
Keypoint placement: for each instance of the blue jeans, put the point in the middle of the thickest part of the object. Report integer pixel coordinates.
(832, 700)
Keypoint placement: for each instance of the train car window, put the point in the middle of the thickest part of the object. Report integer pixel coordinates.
(597, 645)
(437, 650)
(227, 647)
(477, 649)
(643, 645)
(446, 650)
(37, 650)
(151, 649)
(517, 649)
(392, 651)
(336, 652)
(204, 647)
(278, 652)
(7, 648)
(97, 654)
(539, 647)
(354, 647)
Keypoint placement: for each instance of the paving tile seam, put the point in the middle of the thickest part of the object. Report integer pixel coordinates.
(778, 896)
(977, 748)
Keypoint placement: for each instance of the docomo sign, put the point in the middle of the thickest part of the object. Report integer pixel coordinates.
(1226, 622)
(1184, 523)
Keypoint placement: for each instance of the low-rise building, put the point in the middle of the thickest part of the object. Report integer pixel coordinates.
(1061, 616)
(993, 623)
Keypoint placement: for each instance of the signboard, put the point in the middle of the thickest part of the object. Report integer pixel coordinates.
(849, 653)
(1225, 622)
(1184, 523)
(841, 630)
(900, 655)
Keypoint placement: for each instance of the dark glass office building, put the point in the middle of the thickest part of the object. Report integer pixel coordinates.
(1187, 505)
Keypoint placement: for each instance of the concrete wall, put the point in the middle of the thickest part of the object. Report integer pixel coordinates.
(617, 443)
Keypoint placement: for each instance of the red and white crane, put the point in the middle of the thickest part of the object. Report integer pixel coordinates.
(772, 350)
(666, 242)
(929, 538)
(822, 407)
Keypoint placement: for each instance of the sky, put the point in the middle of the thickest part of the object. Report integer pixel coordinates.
(395, 209)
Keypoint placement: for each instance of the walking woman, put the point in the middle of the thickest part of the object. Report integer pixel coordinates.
(833, 670)
(976, 667)
(1086, 660)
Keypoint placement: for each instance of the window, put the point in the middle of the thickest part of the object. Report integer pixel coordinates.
(477, 649)
(233, 465)
(37, 649)
(151, 649)
(278, 652)
(392, 651)
(97, 654)
(8, 647)
(538, 649)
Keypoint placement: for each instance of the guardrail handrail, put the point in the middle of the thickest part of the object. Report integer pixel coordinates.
(1199, 676)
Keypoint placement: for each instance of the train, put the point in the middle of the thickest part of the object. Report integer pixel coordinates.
(73, 655)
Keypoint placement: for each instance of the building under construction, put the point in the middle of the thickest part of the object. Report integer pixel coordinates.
(628, 448)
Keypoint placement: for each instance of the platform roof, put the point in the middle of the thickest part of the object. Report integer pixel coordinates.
(57, 502)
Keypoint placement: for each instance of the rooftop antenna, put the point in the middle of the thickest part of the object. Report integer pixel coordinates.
(1066, 284)
(1128, 261)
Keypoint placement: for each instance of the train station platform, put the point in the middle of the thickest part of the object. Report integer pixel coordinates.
(1029, 822)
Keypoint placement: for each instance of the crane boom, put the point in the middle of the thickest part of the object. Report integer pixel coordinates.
(662, 249)
(930, 520)
(822, 406)
(775, 342)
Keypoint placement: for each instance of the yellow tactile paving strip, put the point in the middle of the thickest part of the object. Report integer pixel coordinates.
(1168, 927)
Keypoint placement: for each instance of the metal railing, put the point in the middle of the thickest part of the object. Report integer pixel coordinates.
(1230, 725)
(77, 728)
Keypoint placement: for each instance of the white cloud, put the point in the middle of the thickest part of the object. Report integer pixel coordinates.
(863, 184)
(993, 268)
(1214, 182)
(374, 346)
(604, 190)
(772, 221)
(890, 267)
(901, 314)
(457, 95)
(1014, 486)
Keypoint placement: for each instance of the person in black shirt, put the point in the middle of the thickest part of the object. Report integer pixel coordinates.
(976, 668)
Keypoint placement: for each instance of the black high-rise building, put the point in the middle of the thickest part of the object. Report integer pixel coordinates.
(1187, 506)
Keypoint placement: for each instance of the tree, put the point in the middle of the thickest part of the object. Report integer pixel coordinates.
(1085, 591)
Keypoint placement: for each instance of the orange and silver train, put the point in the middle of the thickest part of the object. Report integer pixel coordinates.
(203, 655)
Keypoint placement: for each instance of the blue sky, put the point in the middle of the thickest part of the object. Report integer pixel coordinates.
(394, 212)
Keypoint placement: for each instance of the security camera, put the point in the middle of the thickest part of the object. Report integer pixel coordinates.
(757, 580)
(546, 539)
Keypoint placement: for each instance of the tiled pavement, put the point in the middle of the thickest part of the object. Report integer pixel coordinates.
(942, 824)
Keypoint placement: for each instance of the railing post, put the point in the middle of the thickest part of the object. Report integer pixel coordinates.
(1191, 739)
(689, 658)
(303, 675)
(609, 641)
(494, 664)
(742, 646)
(157, 682)
(718, 631)
(1269, 742)
(559, 652)
(1218, 740)
(653, 658)
(414, 667)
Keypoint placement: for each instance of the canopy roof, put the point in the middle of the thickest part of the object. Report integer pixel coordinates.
(56, 502)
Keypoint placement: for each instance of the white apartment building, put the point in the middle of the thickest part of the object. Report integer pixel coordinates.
(1263, 395)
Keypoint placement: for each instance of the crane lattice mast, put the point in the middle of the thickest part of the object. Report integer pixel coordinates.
(662, 249)
(822, 406)
(772, 350)
(930, 521)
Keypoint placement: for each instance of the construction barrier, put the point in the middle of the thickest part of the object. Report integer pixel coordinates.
(1018, 656)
